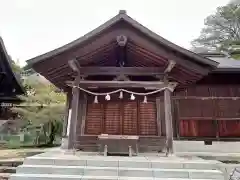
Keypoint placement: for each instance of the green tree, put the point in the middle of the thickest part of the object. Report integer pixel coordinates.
(222, 29)
(43, 106)
(15, 66)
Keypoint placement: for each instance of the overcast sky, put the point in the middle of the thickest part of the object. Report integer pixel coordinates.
(32, 27)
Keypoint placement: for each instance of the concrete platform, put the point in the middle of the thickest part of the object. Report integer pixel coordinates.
(218, 147)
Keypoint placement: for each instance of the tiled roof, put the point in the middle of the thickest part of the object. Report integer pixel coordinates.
(224, 60)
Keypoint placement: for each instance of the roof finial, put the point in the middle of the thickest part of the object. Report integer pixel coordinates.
(122, 12)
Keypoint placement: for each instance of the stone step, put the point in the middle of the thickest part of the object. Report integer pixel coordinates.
(122, 162)
(74, 177)
(44, 177)
(6, 169)
(150, 148)
(120, 171)
(4, 176)
(87, 148)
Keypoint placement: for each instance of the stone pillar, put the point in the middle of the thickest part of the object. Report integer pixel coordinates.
(168, 120)
(22, 136)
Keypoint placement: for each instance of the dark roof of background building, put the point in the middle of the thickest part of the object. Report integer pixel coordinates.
(11, 83)
(224, 60)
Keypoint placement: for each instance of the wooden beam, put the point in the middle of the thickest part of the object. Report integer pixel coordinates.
(141, 43)
(120, 51)
(135, 71)
(172, 85)
(121, 77)
(207, 97)
(63, 66)
(121, 84)
(74, 65)
(2, 76)
(209, 118)
(170, 66)
(121, 40)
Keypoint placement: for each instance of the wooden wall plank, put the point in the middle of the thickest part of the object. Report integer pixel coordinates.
(158, 109)
(94, 118)
(121, 117)
(229, 128)
(84, 113)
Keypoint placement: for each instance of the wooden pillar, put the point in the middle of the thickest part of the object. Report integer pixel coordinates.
(73, 118)
(168, 120)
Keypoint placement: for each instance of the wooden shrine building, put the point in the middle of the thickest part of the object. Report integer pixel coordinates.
(123, 79)
(10, 84)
